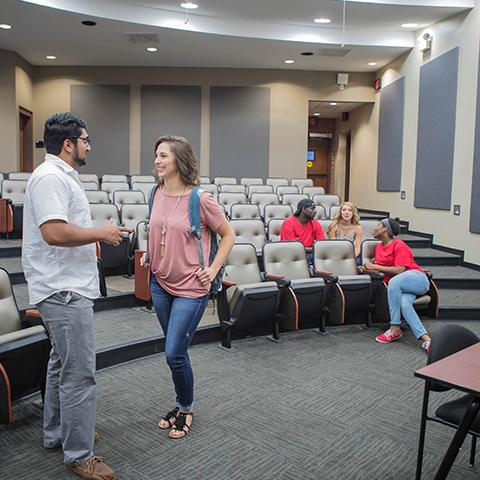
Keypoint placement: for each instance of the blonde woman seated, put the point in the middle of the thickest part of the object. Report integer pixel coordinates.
(346, 226)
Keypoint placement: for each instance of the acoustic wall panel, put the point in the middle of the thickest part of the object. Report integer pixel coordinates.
(239, 131)
(390, 137)
(436, 132)
(475, 205)
(106, 109)
(169, 110)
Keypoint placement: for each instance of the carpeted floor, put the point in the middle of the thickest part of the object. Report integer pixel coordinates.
(311, 407)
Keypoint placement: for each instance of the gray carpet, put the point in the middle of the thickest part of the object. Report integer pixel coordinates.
(311, 407)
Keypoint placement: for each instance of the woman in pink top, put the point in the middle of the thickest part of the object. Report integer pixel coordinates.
(179, 287)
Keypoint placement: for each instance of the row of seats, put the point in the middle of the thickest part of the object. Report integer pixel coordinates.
(289, 295)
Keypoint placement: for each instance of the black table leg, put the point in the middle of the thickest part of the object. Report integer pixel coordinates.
(457, 441)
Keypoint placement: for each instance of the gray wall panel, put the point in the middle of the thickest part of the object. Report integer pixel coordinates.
(436, 132)
(106, 109)
(239, 131)
(169, 110)
(475, 205)
(390, 137)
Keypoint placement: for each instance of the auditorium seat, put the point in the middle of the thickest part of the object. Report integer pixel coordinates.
(263, 199)
(88, 185)
(292, 199)
(24, 350)
(246, 303)
(250, 231)
(210, 187)
(251, 181)
(2, 178)
(286, 189)
(334, 209)
(225, 180)
(276, 211)
(141, 236)
(146, 188)
(114, 178)
(133, 213)
(19, 175)
(89, 177)
(325, 223)
(303, 297)
(368, 226)
(97, 196)
(14, 190)
(301, 182)
(244, 211)
(142, 179)
(274, 227)
(259, 189)
(228, 188)
(426, 304)
(349, 299)
(205, 180)
(311, 191)
(275, 182)
(228, 199)
(120, 197)
(326, 201)
(110, 187)
(320, 213)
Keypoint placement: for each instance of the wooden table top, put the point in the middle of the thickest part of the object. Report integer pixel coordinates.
(460, 370)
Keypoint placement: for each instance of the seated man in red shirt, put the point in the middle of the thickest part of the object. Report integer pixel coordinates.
(303, 227)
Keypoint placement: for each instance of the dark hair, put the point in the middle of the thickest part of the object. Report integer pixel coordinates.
(58, 128)
(184, 156)
(394, 225)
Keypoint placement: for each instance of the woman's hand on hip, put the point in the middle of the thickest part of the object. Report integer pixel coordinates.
(206, 275)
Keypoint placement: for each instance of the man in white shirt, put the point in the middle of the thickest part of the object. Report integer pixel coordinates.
(59, 261)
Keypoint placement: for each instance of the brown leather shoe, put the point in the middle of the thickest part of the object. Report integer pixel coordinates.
(93, 469)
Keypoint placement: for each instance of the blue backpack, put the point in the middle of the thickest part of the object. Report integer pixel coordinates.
(196, 231)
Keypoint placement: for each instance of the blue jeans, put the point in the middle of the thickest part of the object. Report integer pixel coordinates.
(179, 318)
(402, 291)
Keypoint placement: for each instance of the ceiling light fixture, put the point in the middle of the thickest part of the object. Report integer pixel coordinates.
(51, 57)
(316, 114)
(409, 25)
(333, 103)
(5, 26)
(189, 5)
(372, 64)
(151, 49)
(322, 20)
(289, 61)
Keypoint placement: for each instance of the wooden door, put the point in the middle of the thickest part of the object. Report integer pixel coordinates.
(318, 171)
(25, 136)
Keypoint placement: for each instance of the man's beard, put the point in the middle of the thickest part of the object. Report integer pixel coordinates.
(79, 161)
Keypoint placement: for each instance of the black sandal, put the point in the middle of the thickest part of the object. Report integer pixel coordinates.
(170, 418)
(181, 425)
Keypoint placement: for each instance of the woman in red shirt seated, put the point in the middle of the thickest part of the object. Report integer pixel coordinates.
(405, 280)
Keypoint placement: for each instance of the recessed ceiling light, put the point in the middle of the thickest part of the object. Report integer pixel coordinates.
(89, 23)
(409, 25)
(333, 103)
(322, 20)
(51, 57)
(316, 114)
(372, 64)
(289, 61)
(5, 26)
(151, 49)
(189, 5)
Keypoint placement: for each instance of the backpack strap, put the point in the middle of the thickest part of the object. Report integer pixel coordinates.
(151, 197)
(194, 216)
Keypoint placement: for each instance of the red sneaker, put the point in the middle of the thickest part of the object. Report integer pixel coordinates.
(388, 337)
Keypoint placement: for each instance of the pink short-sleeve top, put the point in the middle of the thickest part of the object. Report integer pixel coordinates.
(176, 270)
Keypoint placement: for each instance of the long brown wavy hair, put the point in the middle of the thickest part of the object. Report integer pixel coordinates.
(338, 217)
(186, 162)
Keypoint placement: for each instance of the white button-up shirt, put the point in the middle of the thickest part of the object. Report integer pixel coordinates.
(54, 192)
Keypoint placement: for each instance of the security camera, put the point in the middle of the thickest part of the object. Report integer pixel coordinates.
(427, 36)
(426, 42)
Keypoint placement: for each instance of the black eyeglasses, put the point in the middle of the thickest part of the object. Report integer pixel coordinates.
(86, 140)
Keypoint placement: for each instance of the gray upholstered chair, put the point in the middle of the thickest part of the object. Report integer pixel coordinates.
(250, 231)
(225, 180)
(251, 181)
(320, 213)
(275, 182)
(228, 188)
(19, 175)
(97, 196)
(425, 304)
(142, 179)
(311, 191)
(205, 180)
(326, 201)
(14, 190)
(301, 182)
(89, 177)
(115, 178)
(292, 199)
(210, 187)
(111, 187)
(251, 189)
(88, 185)
(228, 199)
(276, 211)
(334, 209)
(121, 197)
(303, 297)
(368, 226)
(286, 189)
(274, 228)
(244, 211)
(144, 187)
(352, 302)
(24, 350)
(246, 303)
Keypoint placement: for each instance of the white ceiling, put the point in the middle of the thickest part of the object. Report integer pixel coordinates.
(220, 33)
(327, 110)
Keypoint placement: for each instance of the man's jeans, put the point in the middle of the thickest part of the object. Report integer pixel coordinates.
(70, 396)
(179, 318)
(402, 291)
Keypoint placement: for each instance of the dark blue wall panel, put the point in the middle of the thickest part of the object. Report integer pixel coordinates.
(475, 205)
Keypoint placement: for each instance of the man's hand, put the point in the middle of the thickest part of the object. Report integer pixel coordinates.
(145, 260)
(206, 275)
(371, 266)
(112, 234)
